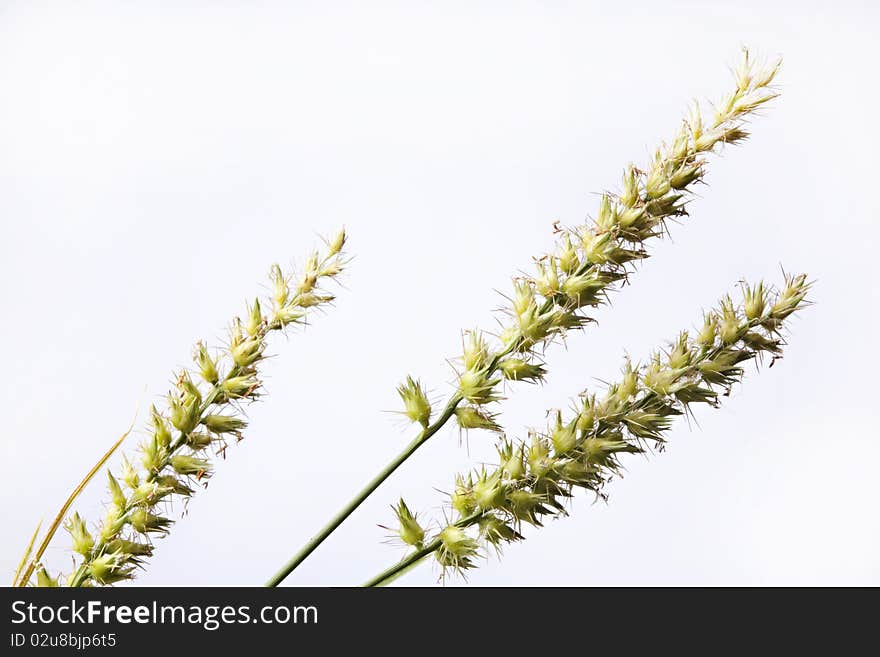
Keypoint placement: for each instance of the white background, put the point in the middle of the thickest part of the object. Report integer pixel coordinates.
(156, 158)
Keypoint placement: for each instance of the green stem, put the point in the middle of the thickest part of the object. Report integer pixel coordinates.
(408, 562)
(358, 499)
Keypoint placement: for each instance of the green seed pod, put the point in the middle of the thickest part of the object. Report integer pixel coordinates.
(665, 206)
(173, 484)
(280, 288)
(469, 417)
(631, 217)
(792, 295)
(706, 336)
(759, 342)
(223, 424)
(415, 401)
(595, 246)
(563, 436)
(607, 216)
(184, 412)
(512, 460)
(82, 539)
(517, 369)
(587, 416)
(289, 314)
(730, 326)
(523, 298)
(497, 532)
(207, 366)
(133, 548)
(190, 465)
(630, 194)
(129, 474)
(199, 440)
(462, 498)
(409, 531)
(568, 256)
(109, 569)
(113, 523)
(680, 356)
(246, 353)
(657, 185)
(44, 580)
(236, 387)
(160, 428)
(117, 496)
(255, 320)
(488, 491)
(144, 522)
(188, 389)
(153, 455)
(147, 494)
(524, 505)
(754, 301)
(538, 456)
(547, 280)
(629, 383)
(685, 175)
(457, 549)
(475, 353)
(476, 388)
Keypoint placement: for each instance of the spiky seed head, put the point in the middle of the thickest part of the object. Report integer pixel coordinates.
(207, 365)
(336, 244)
(280, 288)
(730, 327)
(754, 300)
(409, 529)
(109, 568)
(129, 474)
(462, 498)
(488, 490)
(496, 532)
(184, 411)
(145, 522)
(255, 319)
(680, 356)
(457, 549)
(184, 464)
(117, 496)
(563, 435)
(470, 417)
(547, 280)
(477, 388)
(629, 196)
(512, 460)
(83, 542)
(607, 216)
(236, 387)
(629, 382)
(518, 369)
(217, 423)
(247, 352)
(587, 416)
(160, 427)
(706, 336)
(416, 406)
(45, 580)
